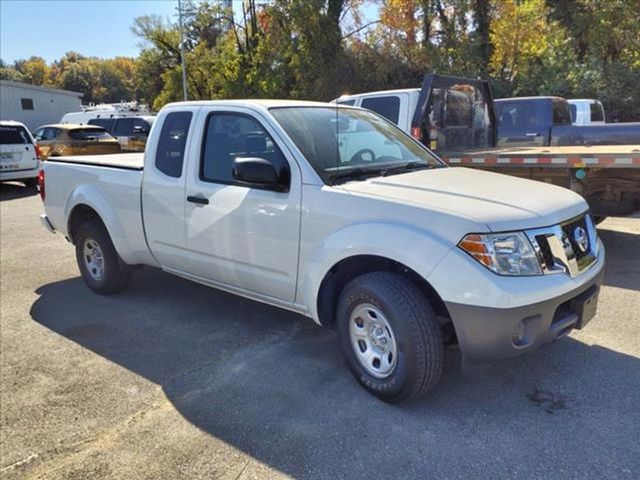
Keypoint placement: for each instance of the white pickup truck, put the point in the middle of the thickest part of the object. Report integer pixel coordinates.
(335, 213)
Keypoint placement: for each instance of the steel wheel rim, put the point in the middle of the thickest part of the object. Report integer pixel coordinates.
(93, 259)
(372, 340)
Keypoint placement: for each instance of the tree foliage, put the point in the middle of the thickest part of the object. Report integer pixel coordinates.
(319, 49)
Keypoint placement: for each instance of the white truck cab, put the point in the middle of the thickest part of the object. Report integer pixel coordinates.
(333, 212)
(397, 106)
(586, 111)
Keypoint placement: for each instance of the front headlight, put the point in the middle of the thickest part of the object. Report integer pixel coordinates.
(503, 253)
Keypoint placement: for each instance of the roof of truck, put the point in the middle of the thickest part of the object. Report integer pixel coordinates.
(379, 92)
(535, 97)
(265, 103)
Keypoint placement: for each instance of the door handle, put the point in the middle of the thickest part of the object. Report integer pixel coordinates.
(532, 134)
(198, 200)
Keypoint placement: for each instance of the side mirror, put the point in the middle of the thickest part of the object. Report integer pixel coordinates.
(259, 173)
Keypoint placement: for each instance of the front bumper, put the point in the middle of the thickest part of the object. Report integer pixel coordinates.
(488, 333)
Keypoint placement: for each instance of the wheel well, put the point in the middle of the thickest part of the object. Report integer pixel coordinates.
(349, 268)
(79, 215)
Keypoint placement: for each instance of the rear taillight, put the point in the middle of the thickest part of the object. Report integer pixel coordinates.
(41, 183)
(37, 151)
(415, 132)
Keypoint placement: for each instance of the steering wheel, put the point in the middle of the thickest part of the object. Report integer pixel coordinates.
(359, 155)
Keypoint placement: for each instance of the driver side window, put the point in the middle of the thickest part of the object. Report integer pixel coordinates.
(229, 136)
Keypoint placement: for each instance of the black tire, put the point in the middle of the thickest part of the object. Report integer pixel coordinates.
(415, 328)
(30, 182)
(115, 273)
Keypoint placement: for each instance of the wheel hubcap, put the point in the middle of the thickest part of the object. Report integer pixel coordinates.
(93, 259)
(372, 340)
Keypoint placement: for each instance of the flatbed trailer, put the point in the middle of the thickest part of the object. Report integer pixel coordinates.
(607, 176)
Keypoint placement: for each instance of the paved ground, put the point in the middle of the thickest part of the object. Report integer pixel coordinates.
(172, 380)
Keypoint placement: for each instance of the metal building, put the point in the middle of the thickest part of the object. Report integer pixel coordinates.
(34, 105)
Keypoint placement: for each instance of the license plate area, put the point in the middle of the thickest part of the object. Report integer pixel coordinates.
(585, 305)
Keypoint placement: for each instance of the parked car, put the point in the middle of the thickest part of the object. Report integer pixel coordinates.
(129, 122)
(18, 154)
(335, 213)
(131, 132)
(542, 121)
(456, 118)
(586, 111)
(72, 139)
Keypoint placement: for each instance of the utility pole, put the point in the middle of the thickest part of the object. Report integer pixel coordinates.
(184, 68)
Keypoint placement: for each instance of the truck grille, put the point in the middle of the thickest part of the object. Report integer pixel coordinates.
(570, 247)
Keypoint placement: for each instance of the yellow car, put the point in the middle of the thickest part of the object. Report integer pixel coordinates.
(74, 139)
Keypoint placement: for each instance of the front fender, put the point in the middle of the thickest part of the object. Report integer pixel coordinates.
(415, 248)
(91, 196)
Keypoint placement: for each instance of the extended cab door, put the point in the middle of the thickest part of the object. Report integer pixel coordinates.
(163, 188)
(238, 235)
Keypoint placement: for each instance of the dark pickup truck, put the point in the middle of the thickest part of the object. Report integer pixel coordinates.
(546, 121)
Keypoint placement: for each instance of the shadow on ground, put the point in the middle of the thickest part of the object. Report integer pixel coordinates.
(12, 191)
(623, 258)
(274, 385)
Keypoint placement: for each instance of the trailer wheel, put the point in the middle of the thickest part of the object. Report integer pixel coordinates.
(101, 267)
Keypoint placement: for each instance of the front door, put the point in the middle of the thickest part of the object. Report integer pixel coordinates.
(237, 235)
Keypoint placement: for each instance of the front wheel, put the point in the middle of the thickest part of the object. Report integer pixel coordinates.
(99, 263)
(389, 336)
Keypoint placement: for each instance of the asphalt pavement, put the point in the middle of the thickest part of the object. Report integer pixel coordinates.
(173, 380)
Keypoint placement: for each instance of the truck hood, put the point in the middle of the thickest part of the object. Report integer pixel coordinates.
(498, 201)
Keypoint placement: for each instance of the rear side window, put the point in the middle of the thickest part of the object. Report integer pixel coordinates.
(105, 123)
(346, 102)
(14, 135)
(229, 136)
(597, 112)
(47, 133)
(388, 107)
(89, 134)
(172, 142)
(520, 115)
(123, 127)
(561, 113)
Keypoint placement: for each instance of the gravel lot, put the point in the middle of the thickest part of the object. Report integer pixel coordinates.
(172, 380)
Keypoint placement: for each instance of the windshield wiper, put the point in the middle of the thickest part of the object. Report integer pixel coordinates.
(405, 167)
(355, 173)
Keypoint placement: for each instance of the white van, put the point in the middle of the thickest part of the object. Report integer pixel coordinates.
(18, 154)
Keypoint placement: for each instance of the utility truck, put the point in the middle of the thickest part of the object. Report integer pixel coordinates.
(335, 213)
(525, 137)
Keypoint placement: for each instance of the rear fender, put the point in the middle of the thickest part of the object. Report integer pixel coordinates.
(92, 197)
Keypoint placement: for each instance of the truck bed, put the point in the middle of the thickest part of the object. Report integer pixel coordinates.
(110, 184)
(128, 161)
(605, 156)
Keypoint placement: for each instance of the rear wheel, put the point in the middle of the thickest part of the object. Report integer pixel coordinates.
(389, 336)
(99, 263)
(30, 182)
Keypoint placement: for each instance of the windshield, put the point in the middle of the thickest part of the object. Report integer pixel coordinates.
(345, 143)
